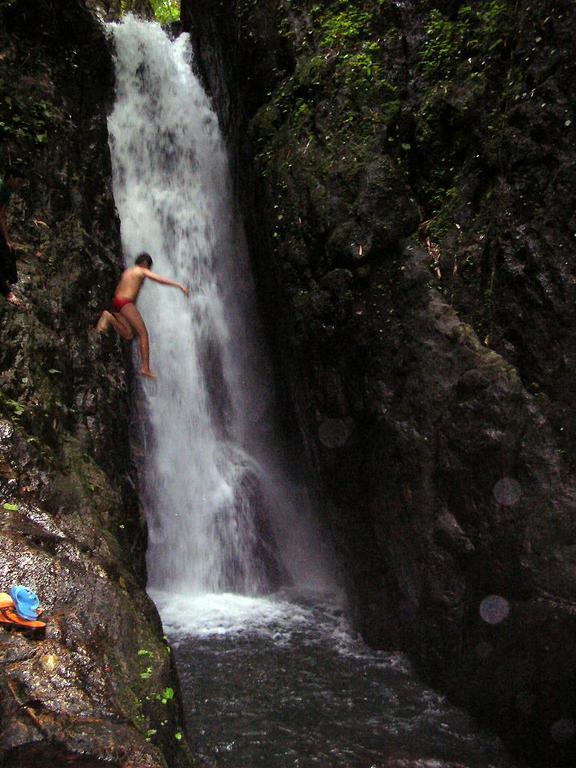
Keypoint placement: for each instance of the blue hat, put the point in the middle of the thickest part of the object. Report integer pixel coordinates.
(25, 602)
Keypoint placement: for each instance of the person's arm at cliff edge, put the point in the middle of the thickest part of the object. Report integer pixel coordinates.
(164, 280)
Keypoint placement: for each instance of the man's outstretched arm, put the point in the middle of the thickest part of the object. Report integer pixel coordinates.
(164, 280)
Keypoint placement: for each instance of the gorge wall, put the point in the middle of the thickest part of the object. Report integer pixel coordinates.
(100, 686)
(407, 174)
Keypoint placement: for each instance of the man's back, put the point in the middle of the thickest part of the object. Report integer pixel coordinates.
(130, 282)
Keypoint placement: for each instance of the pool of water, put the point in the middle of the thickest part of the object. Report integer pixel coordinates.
(283, 682)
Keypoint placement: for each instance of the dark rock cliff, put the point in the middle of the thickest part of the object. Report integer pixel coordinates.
(407, 171)
(91, 690)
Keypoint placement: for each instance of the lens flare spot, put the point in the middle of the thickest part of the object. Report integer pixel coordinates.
(334, 433)
(507, 491)
(562, 731)
(494, 609)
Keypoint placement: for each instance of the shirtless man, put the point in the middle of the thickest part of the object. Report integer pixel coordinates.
(124, 317)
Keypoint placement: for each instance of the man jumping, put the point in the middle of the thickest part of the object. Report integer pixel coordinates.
(124, 317)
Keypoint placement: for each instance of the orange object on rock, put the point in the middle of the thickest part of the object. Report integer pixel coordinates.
(9, 616)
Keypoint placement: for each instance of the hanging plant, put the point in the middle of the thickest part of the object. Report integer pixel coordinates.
(166, 11)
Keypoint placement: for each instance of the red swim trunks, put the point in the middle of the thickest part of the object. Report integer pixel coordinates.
(120, 301)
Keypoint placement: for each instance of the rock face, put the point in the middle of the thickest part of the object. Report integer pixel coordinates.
(91, 689)
(407, 172)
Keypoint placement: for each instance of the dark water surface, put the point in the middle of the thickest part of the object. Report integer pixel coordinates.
(285, 684)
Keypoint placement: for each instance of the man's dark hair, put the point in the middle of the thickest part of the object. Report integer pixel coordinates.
(144, 260)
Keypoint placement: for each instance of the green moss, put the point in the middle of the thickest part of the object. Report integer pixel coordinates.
(27, 118)
(11, 408)
(341, 26)
(478, 32)
(446, 202)
(310, 72)
(89, 481)
(444, 43)
(322, 126)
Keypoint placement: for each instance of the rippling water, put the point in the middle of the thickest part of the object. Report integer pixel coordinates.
(283, 682)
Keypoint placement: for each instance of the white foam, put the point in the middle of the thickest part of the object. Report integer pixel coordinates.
(220, 614)
(284, 618)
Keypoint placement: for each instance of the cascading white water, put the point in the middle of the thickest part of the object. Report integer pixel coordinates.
(215, 497)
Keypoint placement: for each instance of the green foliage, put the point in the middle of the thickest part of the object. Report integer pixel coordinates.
(345, 63)
(346, 24)
(347, 32)
(7, 404)
(331, 113)
(361, 73)
(26, 120)
(465, 60)
(444, 43)
(166, 11)
(476, 30)
(495, 20)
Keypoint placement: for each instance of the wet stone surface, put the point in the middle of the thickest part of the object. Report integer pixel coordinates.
(69, 521)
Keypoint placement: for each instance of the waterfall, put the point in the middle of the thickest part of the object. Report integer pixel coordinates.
(213, 481)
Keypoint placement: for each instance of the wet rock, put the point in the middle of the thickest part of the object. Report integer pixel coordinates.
(337, 281)
(79, 693)
(401, 762)
(449, 531)
(256, 568)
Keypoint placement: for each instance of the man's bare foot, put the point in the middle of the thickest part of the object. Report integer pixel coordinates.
(11, 298)
(148, 373)
(103, 322)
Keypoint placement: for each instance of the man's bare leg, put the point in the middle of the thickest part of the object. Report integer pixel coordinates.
(103, 322)
(131, 314)
(120, 325)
